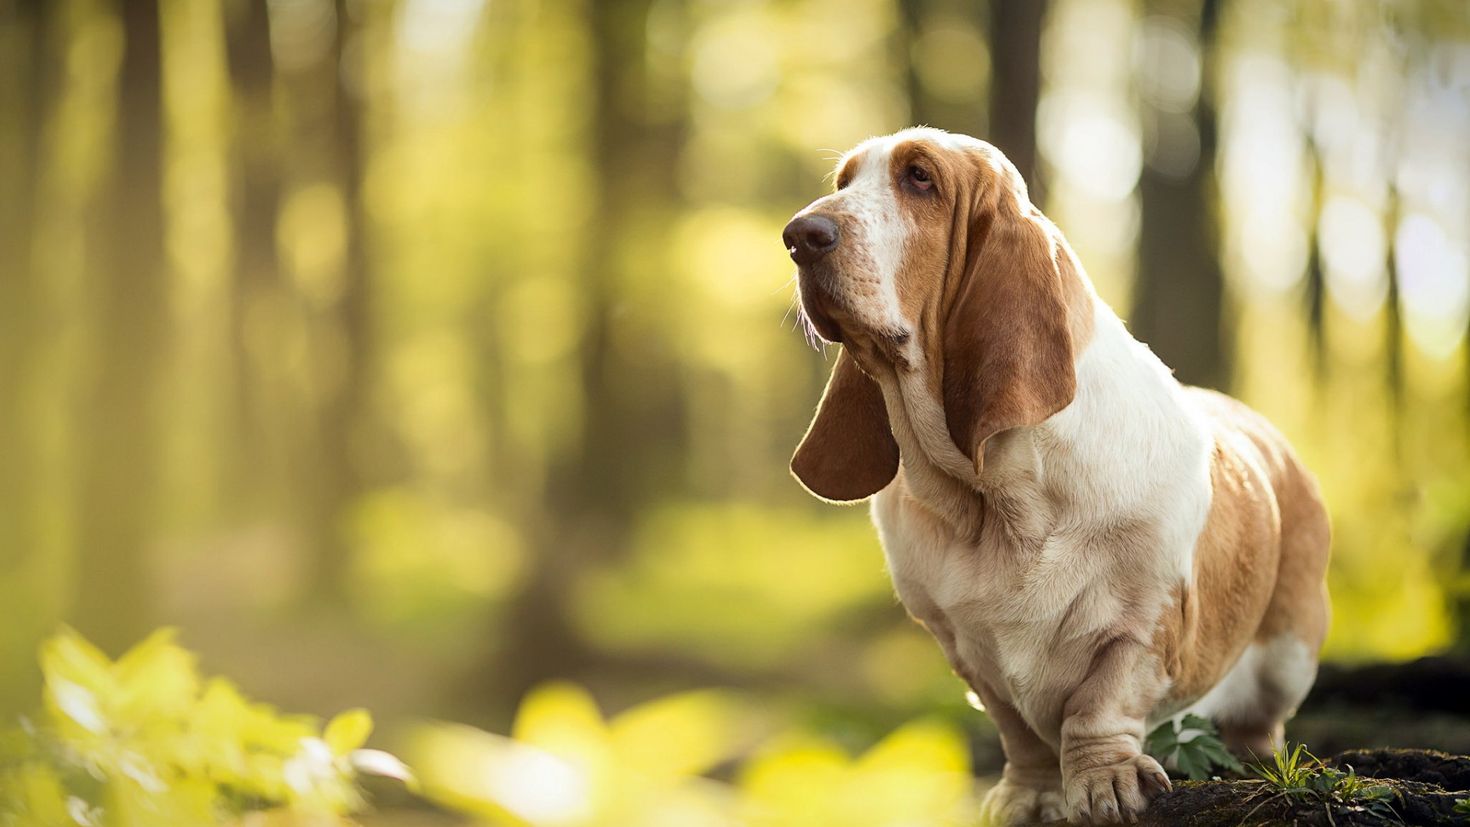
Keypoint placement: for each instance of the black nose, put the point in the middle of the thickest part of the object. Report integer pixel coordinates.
(809, 237)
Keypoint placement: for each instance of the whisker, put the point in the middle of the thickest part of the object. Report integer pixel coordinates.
(809, 330)
(788, 283)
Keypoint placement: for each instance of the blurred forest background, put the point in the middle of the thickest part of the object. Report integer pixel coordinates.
(410, 353)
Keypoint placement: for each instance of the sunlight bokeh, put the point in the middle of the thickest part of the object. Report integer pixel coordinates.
(414, 354)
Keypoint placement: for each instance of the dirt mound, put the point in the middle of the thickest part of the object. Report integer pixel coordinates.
(1408, 787)
(1449, 772)
(1251, 803)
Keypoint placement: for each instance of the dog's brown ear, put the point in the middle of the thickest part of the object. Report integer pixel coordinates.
(848, 453)
(1008, 350)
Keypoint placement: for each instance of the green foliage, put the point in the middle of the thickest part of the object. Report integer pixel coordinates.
(147, 742)
(1462, 806)
(1193, 747)
(1289, 770)
(1296, 772)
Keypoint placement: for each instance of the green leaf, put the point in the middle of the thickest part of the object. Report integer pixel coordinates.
(1197, 758)
(1215, 752)
(1193, 764)
(1196, 722)
(1321, 783)
(1162, 742)
(1377, 792)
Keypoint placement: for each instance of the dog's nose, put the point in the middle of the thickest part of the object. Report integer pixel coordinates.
(809, 237)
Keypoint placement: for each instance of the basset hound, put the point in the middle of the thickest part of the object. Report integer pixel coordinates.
(1096, 547)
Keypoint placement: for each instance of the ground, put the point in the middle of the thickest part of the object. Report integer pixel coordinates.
(1422, 708)
(1425, 786)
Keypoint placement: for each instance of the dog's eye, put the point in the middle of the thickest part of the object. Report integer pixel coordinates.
(919, 179)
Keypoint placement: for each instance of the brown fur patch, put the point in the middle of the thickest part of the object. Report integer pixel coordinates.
(849, 452)
(848, 169)
(1009, 355)
(1261, 561)
(1001, 304)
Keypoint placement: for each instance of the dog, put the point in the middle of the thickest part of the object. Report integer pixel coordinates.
(1096, 547)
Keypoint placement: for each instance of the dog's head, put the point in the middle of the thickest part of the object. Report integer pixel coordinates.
(930, 257)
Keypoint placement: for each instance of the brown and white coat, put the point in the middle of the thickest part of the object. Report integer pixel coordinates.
(1096, 547)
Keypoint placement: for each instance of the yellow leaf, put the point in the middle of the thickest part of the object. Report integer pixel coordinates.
(796, 782)
(918, 774)
(562, 718)
(492, 776)
(157, 676)
(34, 793)
(348, 731)
(924, 746)
(680, 735)
(69, 662)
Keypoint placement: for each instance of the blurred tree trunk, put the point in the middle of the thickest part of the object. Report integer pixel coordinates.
(925, 106)
(256, 276)
(1178, 300)
(1315, 294)
(912, 16)
(28, 75)
(1460, 598)
(334, 476)
(1015, 85)
(631, 422)
(119, 477)
(1393, 344)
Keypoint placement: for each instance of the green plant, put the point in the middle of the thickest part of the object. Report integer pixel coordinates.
(1193, 747)
(1462, 806)
(1291, 770)
(146, 741)
(1296, 772)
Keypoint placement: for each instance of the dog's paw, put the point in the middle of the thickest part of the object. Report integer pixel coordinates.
(1009, 804)
(1114, 793)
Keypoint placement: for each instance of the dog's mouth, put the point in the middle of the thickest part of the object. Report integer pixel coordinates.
(826, 316)
(820, 307)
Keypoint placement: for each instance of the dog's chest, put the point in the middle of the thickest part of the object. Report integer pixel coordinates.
(1003, 614)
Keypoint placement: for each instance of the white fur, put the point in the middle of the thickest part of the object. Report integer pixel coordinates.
(872, 201)
(1268, 681)
(876, 233)
(1044, 567)
(1128, 450)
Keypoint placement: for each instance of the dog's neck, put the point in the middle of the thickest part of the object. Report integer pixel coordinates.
(937, 474)
(940, 477)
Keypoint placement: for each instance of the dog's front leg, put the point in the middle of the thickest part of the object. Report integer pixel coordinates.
(1105, 775)
(1030, 788)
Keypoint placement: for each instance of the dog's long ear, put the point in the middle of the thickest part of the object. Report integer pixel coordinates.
(1008, 350)
(848, 453)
